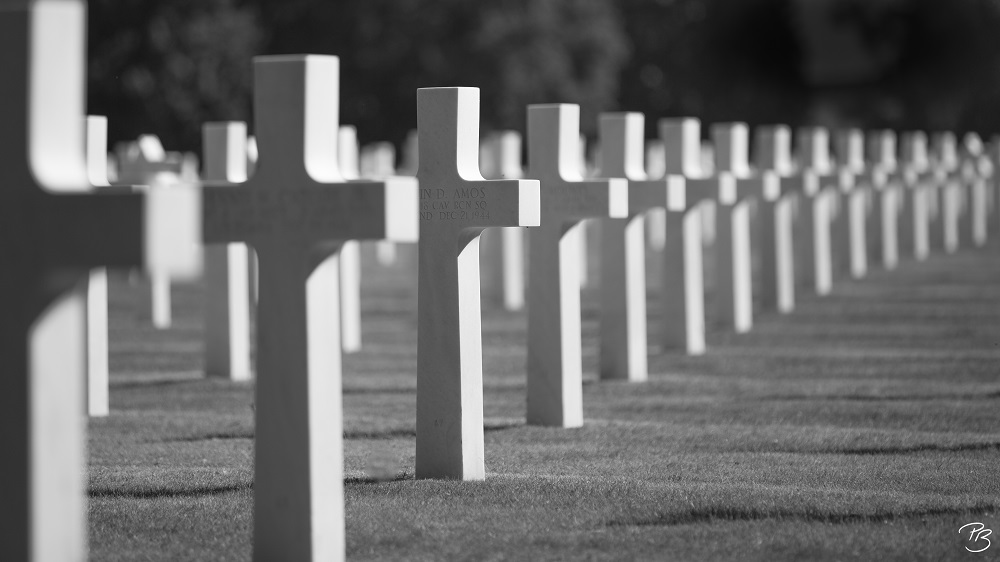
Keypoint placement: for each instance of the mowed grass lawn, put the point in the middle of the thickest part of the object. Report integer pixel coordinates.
(863, 426)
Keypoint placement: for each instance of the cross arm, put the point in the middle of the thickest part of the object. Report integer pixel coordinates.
(351, 211)
(806, 183)
(841, 179)
(482, 204)
(650, 194)
(587, 199)
(715, 188)
(87, 229)
(155, 229)
(765, 185)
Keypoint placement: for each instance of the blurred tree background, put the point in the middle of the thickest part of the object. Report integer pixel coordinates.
(167, 67)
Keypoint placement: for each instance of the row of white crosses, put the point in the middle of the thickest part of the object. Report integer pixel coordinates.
(297, 210)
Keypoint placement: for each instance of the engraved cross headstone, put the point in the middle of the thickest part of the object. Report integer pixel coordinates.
(456, 204)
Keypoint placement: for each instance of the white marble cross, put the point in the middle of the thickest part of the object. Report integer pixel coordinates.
(773, 152)
(227, 271)
(913, 174)
(503, 249)
(730, 239)
(145, 163)
(682, 293)
(456, 204)
(946, 194)
(623, 353)
(814, 155)
(733, 239)
(296, 211)
(54, 232)
(849, 225)
(882, 229)
(555, 371)
(977, 166)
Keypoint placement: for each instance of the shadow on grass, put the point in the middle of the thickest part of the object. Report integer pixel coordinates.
(926, 448)
(395, 433)
(166, 381)
(210, 437)
(726, 514)
(156, 493)
(376, 391)
(364, 480)
(875, 398)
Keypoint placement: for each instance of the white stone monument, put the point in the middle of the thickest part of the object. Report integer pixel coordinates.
(555, 371)
(227, 271)
(883, 217)
(296, 211)
(948, 192)
(849, 229)
(623, 353)
(456, 204)
(55, 232)
(913, 174)
(145, 163)
(773, 152)
(978, 167)
(682, 293)
(814, 155)
(733, 236)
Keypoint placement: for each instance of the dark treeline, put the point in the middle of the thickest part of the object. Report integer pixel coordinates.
(167, 67)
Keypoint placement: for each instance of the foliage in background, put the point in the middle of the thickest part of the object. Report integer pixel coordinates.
(516, 51)
(168, 67)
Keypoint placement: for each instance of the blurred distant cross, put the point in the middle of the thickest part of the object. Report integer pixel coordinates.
(52, 233)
